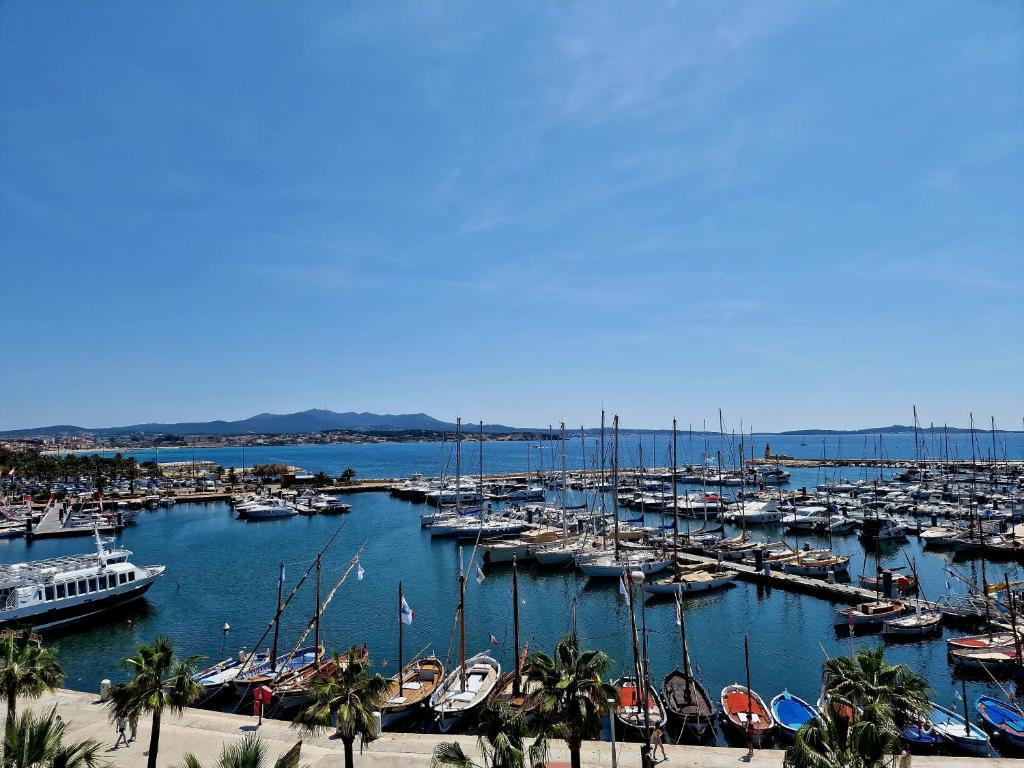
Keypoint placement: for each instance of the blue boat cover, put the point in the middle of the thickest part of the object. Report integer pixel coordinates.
(792, 712)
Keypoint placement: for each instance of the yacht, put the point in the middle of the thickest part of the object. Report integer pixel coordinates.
(57, 590)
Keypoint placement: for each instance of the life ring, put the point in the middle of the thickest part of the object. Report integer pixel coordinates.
(926, 727)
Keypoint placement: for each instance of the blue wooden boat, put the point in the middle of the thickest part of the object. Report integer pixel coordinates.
(1003, 719)
(920, 737)
(791, 713)
(957, 731)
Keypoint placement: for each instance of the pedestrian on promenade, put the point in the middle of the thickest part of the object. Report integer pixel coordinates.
(133, 725)
(122, 726)
(658, 741)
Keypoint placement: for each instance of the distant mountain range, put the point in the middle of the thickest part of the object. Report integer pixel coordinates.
(320, 420)
(315, 420)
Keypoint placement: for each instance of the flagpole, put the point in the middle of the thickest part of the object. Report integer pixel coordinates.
(400, 622)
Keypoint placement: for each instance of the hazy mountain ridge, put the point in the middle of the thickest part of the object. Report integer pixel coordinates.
(320, 420)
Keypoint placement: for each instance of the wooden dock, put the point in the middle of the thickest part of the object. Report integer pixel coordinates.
(52, 527)
(835, 592)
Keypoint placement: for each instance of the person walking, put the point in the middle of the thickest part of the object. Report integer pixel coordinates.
(122, 726)
(658, 742)
(750, 739)
(133, 726)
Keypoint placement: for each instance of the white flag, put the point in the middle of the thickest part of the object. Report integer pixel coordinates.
(408, 614)
(359, 572)
(622, 587)
(282, 573)
(679, 614)
(480, 575)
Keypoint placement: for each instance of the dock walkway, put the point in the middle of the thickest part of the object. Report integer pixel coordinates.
(203, 733)
(51, 527)
(840, 593)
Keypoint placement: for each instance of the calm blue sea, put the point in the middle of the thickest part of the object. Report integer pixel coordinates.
(372, 460)
(221, 569)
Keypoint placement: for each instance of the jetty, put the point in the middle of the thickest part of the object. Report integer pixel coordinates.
(52, 526)
(204, 733)
(807, 585)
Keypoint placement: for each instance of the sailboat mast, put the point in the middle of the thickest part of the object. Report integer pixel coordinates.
(675, 495)
(277, 619)
(600, 490)
(517, 680)
(565, 490)
(746, 663)
(462, 622)
(480, 490)
(401, 666)
(686, 652)
(316, 633)
(458, 466)
(615, 482)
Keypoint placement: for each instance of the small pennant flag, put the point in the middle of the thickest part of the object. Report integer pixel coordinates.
(679, 614)
(622, 587)
(494, 640)
(408, 614)
(360, 572)
(282, 573)
(480, 576)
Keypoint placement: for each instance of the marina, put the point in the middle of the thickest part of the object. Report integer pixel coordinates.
(793, 615)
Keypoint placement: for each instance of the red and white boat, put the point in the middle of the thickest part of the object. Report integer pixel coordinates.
(741, 706)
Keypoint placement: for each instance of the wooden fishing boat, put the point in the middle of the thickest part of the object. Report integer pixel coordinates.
(515, 689)
(464, 691)
(869, 614)
(287, 665)
(919, 624)
(1003, 719)
(221, 675)
(818, 563)
(903, 582)
(988, 640)
(920, 736)
(691, 579)
(688, 704)
(998, 661)
(958, 731)
(791, 713)
(631, 713)
(741, 706)
(420, 678)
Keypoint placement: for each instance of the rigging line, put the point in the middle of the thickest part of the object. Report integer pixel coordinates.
(352, 564)
(277, 617)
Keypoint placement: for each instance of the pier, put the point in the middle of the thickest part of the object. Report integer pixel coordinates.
(836, 592)
(204, 733)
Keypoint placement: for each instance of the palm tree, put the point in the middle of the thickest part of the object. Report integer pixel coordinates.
(161, 682)
(832, 741)
(345, 696)
(501, 739)
(37, 741)
(572, 694)
(26, 669)
(250, 752)
(866, 678)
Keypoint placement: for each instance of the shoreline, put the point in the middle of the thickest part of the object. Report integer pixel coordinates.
(204, 732)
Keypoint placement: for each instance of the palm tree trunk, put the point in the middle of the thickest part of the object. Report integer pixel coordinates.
(574, 752)
(348, 753)
(12, 702)
(154, 739)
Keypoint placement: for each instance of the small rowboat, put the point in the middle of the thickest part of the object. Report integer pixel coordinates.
(958, 732)
(994, 640)
(920, 737)
(452, 703)
(998, 660)
(687, 580)
(869, 614)
(1003, 719)
(688, 702)
(791, 713)
(420, 679)
(923, 624)
(903, 582)
(630, 711)
(741, 706)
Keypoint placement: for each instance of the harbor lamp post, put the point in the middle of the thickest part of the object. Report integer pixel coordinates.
(611, 723)
(637, 578)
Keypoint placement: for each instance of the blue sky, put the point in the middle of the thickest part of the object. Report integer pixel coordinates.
(807, 214)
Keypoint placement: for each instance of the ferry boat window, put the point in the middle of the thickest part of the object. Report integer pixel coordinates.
(92, 585)
(49, 592)
(72, 589)
(121, 578)
(81, 587)
(60, 590)
(131, 576)
(103, 582)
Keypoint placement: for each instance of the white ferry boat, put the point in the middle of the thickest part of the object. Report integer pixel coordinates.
(44, 593)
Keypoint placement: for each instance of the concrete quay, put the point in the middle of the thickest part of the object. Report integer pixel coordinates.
(203, 733)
